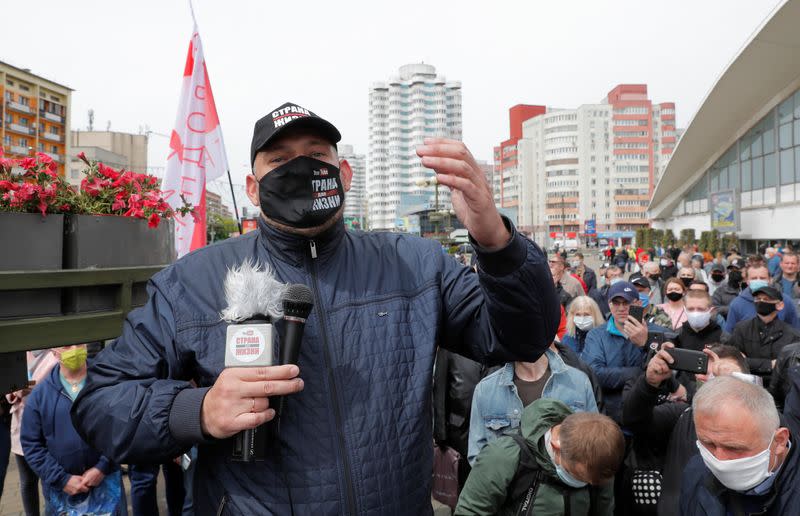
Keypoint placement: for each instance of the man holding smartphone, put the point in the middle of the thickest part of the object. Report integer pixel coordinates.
(617, 350)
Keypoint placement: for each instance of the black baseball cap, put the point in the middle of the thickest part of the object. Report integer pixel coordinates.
(771, 292)
(640, 281)
(286, 115)
(737, 263)
(717, 268)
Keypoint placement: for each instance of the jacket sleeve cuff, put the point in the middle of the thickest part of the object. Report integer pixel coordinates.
(507, 259)
(105, 465)
(184, 416)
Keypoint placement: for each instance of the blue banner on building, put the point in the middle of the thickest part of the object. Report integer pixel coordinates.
(590, 227)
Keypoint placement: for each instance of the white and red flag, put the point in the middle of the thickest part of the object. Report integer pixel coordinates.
(197, 151)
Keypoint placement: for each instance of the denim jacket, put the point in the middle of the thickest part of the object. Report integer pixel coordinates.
(497, 407)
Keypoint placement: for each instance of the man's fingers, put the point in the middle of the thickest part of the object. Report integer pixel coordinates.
(266, 373)
(431, 140)
(449, 166)
(666, 357)
(270, 388)
(463, 185)
(253, 419)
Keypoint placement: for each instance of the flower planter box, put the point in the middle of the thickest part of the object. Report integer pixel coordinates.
(112, 241)
(30, 242)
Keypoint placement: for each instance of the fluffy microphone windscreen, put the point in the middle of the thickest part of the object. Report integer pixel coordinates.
(251, 290)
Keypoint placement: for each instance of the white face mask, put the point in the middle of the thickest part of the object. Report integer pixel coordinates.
(738, 474)
(614, 280)
(698, 320)
(663, 263)
(584, 322)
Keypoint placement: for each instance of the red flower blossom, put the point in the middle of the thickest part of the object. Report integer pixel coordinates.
(65, 207)
(108, 172)
(153, 220)
(44, 158)
(8, 185)
(27, 163)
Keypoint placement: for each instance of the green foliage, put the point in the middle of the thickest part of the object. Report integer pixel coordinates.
(687, 237)
(668, 239)
(220, 228)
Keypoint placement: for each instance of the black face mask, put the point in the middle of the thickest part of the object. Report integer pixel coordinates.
(764, 308)
(302, 193)
(674, 296)
(687, 281)
(718, 277)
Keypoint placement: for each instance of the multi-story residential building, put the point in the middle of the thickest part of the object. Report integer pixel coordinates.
(505, 180)
(34, 115)
(596, 162)
(214, 206)
(412, 105)
(117, 150)
(355, 201)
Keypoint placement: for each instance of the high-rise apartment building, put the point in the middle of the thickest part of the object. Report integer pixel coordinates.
(355, 201)
(505, 180)
(412, 105)
(35, 115)
(596, 162)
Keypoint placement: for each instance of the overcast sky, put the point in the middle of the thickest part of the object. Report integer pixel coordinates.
(125, 59)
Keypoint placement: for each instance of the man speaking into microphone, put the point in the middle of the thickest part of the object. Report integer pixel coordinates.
(355, 427)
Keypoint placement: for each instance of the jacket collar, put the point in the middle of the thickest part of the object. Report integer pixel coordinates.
(554, 362)
(294, 249)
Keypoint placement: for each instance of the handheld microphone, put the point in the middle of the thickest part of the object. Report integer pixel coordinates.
(297, 304)
(253, 296)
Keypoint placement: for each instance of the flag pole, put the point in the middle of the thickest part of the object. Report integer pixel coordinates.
(233, 196)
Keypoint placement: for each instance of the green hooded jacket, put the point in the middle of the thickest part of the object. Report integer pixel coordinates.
(490, 480)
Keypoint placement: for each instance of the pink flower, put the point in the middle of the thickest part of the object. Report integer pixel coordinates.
(44, 158)
(8, 185)
(118, 204)
(108, 172)
(27, 163)
(153, 220)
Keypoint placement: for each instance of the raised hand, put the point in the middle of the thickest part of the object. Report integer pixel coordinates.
(473, 200)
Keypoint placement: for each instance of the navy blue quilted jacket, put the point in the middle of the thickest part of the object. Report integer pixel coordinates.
(358, 438)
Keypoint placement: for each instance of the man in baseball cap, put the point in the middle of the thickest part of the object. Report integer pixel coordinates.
(382, 303)
(761, 338)
(725, 293)
(617, 351)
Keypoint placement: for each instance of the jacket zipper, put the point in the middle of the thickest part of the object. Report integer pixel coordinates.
(351, 503)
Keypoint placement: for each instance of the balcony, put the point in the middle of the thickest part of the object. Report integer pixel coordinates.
(52, 137)
(16, 149)
(18, 107)
(56, 157)
(20, 128)
(52, 116)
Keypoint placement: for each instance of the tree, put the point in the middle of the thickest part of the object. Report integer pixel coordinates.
(669, 238)
(220, 228)
(687, 237)
(658, 237)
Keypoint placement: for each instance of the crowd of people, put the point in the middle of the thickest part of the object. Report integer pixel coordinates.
(660, 440)
(664, 383)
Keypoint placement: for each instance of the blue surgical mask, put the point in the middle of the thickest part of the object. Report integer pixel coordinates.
(644, 298)
(757, 284)
(562, 473)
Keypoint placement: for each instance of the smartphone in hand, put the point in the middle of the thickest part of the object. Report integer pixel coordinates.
(688, 360)
(637, 312)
